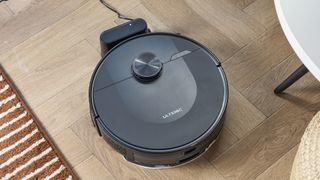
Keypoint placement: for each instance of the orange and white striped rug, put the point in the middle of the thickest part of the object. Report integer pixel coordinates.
(26, 151)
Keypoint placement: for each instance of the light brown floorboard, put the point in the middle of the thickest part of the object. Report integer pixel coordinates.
(241, 4)
(260, 93)
(46, 78)
(309, 99)
(5, 14)
(263, 11)
(265, 145)
(69, 105)
(282, 168)
(71, 147)
(235, 24)
(18, 6)
(93, 169)
(241, 116)
(257, 58)
(225, 141)
(33, 20)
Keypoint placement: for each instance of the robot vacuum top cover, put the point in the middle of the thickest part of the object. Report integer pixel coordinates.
(158, 92)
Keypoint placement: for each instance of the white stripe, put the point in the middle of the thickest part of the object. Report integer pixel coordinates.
(6, 87)
(13, 108)
(7, 176)
(13, 120)
(56, 172)
(16, 131)
(40, 169)
(15, 157)
(18, 142)
(1, 78)
(7, 99)
(69, 178)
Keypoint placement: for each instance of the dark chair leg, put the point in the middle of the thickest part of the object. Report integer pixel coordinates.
(295, 76)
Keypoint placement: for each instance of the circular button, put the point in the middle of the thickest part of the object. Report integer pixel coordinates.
(147, 67)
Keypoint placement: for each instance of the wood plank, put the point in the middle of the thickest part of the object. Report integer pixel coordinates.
(241, 116)
(181, 18)
(282, 168)
(265, 145)
(57, 38)
(71, 147)
(241, 4)
(68, 105)
(112, 160)
(260, 93)
(225, 140)
(263, 11)
(258, 58)
(309, 99)
(18, 6)
(228, 19)
(33, 20)
(91, 169)
(23, 61)
(5, 14)
(45, 81)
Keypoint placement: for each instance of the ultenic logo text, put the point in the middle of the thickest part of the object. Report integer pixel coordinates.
(172, 113)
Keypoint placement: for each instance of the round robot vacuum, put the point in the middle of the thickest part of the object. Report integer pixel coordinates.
(159, 99)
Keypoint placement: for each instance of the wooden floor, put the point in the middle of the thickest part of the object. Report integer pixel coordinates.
(50, 47)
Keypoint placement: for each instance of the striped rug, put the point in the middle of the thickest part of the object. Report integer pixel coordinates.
(26, 151)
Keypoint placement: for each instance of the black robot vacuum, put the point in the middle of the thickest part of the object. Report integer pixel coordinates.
(159, 99)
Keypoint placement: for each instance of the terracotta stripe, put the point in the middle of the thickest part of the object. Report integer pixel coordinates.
(6, 94)
(64, 174)
(14, 126)
(35, 165)
(25, 147)
(32, 160)
(3, 84)
(20, 148)
(20, 141)
(11, 115)
(6, 87)
(8, 105)
(11, 121)
(17, 136)
(34, 152)
(47, 171)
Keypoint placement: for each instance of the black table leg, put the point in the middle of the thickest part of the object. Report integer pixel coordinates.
(295, 76)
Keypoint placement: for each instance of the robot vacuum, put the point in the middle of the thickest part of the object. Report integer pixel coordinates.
(159, 99)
